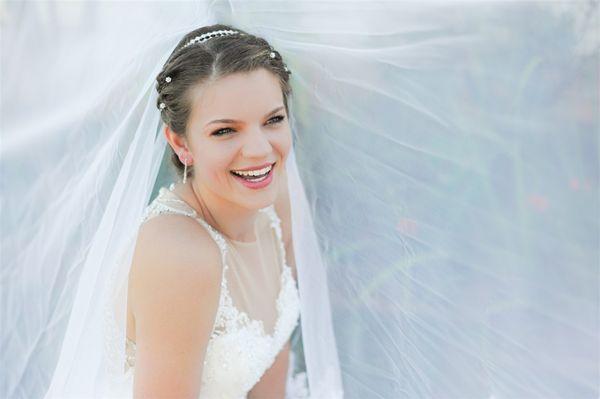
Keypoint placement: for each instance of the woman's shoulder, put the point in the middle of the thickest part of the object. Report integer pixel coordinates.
(177, 236)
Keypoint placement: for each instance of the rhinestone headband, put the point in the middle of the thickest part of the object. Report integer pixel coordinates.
(208, 35)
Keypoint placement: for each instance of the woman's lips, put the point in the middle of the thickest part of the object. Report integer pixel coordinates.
(255, 167)
(255, 185)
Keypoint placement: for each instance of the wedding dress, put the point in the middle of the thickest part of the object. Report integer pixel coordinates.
(258, 308)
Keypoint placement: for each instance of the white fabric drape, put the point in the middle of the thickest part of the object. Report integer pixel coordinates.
(448, 153)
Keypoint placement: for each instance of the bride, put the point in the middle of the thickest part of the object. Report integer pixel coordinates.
(207, 301)
(178, 272)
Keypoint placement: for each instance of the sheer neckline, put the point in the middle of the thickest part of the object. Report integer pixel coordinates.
(195, 213)
(285, 274)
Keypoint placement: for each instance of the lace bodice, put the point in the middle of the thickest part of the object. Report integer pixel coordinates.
(239, 350)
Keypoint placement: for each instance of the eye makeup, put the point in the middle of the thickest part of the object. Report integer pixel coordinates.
(224, 131)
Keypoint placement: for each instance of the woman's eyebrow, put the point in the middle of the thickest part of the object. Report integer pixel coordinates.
(233, 120)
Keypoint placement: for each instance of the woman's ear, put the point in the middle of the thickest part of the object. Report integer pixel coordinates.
(179, 144)
(176, 141)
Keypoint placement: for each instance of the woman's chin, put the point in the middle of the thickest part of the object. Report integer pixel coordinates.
(257, 195)
(259, 201)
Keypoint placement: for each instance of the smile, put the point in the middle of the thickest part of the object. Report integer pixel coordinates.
(254, 179)
(257, 173)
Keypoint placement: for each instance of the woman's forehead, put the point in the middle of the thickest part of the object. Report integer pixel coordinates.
(236, 96)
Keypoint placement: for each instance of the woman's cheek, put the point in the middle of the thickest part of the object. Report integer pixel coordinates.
(286, 146)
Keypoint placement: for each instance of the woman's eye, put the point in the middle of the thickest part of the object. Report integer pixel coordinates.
(278, 118)
(218, 132)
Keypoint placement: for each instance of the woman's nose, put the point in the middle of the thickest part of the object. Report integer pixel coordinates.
(256, 144)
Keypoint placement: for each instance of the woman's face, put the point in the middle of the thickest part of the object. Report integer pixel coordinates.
(257, 134)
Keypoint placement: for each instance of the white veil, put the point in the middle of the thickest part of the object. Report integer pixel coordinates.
(448, 153)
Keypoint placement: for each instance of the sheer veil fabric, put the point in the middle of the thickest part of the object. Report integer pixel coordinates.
(443, 186)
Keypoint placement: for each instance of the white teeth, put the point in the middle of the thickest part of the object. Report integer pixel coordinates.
(253, 172)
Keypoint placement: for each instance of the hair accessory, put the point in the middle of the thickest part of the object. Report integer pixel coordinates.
(162, 105)
(168, 79)
(204, 37)
(272, 55)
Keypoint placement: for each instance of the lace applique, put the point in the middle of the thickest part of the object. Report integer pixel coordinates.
(233, 322)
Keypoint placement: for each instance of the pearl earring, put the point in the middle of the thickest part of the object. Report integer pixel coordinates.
(184, 161)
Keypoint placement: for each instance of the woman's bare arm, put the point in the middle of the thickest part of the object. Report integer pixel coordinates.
(175, 286)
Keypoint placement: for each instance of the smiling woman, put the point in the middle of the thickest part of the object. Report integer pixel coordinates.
(205, 300)
(236, 154)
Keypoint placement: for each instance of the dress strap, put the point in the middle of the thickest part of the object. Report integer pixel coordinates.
(165, 204)
(276, 225)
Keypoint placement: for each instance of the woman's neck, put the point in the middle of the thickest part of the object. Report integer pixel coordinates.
(235, 222)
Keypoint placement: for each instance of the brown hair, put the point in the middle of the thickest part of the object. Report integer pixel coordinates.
(221, 55)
